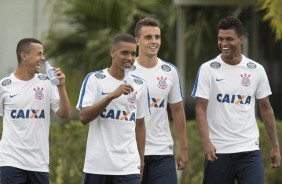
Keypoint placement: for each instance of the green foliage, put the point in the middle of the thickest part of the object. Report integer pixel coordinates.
(273, 14)
(81, 32)
(67, 152)
(273, 176)
(68, 144)
(194, 172)
(80, 36)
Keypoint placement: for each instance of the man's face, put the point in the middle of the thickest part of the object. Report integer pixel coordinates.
(33, 59)
(123, 55)
(229, 43)
(149, 40)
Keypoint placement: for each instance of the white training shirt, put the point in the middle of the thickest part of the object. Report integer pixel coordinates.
(111, 143)
(25, 107)
(164, 87)
(232, 91)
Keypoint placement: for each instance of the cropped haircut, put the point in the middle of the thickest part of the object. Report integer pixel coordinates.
(145, 22)
(123, 37)
(24, 46)
(232, 22)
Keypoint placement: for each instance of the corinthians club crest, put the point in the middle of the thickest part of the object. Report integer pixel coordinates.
(245, 79)
(132, 97)
(162, 82)
(38, 93)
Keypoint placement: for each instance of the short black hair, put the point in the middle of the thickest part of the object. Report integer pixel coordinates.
(232, 22)
(24, 46)
(123, 37)
(145, 22)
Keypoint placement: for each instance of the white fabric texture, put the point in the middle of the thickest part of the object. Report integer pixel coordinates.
(111, 144)
(232, 91)
(25, 107)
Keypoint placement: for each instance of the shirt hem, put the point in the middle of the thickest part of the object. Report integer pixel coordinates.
(25, 168)
(226, 151)
(110, 173)
(159, 153)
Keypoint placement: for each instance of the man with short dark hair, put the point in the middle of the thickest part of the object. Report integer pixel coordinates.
(165, 89)
(115, 111)
(26, 97)
(226, 89)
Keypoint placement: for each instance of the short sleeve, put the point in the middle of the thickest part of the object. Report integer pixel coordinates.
(1, 101)
(202, 83)
(263, 89)
(54, 98)
(175, 94)
(87, 92)
(143, 107)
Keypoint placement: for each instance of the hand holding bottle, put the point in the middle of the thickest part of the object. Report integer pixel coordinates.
(128, 80)
(50, 71)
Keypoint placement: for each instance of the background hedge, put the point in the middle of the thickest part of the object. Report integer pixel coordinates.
(67, 152)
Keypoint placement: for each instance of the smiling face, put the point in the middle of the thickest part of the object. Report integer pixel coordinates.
(149, 40)
(123, 55)
(230, 44)
(32, 58)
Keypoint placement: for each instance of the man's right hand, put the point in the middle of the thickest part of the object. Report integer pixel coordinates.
(122, 89)
(210, 151)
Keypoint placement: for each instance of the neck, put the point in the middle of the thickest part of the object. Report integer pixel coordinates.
(232, 60)
(22, 74)
(116, 73)
(146, 61)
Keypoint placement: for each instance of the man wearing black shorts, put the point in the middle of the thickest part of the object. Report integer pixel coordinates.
(226, 89)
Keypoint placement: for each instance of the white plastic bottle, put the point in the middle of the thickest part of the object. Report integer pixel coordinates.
(51, 74)
(128, 80)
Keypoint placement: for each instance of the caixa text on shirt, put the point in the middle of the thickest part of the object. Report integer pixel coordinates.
(28, 114)
(118, 115)
(234, 99)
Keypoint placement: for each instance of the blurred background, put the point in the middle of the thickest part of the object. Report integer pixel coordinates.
(76, 35)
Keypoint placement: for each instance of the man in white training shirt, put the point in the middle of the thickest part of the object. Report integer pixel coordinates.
(26, 97)
(115, 111)
(226, 89)
(164, 87)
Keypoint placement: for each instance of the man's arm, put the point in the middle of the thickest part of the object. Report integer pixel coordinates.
(90, 113)
(64, 107)
(140, 131)
(178, 115)
(268, 118)
(202, 123)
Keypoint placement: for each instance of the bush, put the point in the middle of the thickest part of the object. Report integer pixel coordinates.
(68, 143)
(194, 172)
(67, 152)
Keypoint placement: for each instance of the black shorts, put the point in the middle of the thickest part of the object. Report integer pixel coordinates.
(245, 167)
(111, 179)
(12, 175)
(159, 169)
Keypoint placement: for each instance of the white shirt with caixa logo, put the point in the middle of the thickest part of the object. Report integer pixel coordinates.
(164, 87)
(232, 91)
(25, 107)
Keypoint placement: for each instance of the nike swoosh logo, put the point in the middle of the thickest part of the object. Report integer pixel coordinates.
(11, 96)
(219, 79)
(103, 93)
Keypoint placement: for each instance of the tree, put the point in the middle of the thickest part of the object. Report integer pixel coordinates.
(273, 14)
(81, 32)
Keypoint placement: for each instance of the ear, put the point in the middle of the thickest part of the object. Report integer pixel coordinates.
(137, 41)
(242, 39)
(112, 51)
(23, 56)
